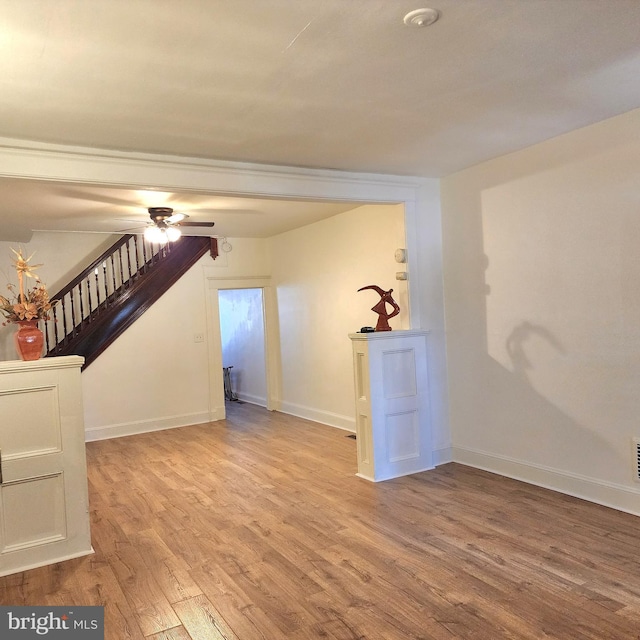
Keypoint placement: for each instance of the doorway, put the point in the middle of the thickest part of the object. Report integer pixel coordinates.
(243, 343)
(272, 368)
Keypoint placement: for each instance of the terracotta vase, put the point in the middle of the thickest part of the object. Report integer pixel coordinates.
(29, 340)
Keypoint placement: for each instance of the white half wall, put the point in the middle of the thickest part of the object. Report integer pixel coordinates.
(542, 293)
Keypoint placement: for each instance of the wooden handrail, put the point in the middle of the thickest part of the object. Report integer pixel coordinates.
(92, 267)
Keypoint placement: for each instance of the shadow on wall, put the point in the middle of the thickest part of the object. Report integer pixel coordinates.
(524, 424)
(517, 340)
(526, 427)
(541, 344)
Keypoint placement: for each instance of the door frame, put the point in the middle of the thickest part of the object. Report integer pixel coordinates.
(273, 370)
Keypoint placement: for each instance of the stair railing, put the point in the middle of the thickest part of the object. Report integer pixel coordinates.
(98, 287)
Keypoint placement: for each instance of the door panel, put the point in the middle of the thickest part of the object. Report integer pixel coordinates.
(43, 481)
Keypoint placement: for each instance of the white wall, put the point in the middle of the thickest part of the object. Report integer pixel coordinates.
(243, 342)
(318, 270)
(250, 257)
(542, 298)
(154, 375)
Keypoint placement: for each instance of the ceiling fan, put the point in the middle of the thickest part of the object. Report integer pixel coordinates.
(164, 225)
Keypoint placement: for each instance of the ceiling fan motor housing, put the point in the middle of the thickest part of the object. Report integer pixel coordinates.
(164, 217)
(160, 214)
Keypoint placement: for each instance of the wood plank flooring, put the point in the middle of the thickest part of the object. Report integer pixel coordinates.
(256, 528)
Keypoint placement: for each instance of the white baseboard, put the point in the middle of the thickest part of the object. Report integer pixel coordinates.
(317, 415)
(608, 494)
(392, 477)
(442, 456)
(217, 413)
(43, 563)
(251, 399)
(145, 426)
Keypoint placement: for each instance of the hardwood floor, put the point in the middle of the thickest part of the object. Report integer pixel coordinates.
(256, 528)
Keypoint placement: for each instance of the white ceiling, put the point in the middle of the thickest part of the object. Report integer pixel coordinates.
(27, 205)
(340, 84)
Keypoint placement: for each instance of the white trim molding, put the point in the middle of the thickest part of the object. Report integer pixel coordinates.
(607, 494)
(86, 165)
(327, 418)
(144, 426)
(442, 455)
(213, 284)
(43, 364)
(249, 398)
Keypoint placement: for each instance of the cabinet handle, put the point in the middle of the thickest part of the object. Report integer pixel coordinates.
(0, 466)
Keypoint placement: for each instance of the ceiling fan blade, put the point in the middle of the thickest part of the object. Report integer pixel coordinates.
(196, 224)
(132, 229)
(176, 218)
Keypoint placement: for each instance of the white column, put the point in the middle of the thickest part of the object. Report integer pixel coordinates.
(393, 427)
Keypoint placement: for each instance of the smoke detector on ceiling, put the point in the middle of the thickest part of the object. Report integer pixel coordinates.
(421, 17)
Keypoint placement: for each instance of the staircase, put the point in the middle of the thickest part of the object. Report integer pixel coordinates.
(115, 290)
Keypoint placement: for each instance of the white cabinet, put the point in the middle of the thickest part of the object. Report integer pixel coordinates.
(44, 505)
(393, 430)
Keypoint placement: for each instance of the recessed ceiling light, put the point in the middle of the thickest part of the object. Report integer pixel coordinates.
(421, 17)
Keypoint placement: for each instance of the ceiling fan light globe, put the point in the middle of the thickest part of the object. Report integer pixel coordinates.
(173, 233)
(155, 235)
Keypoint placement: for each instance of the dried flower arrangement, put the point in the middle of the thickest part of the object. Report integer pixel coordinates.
(26, 304)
